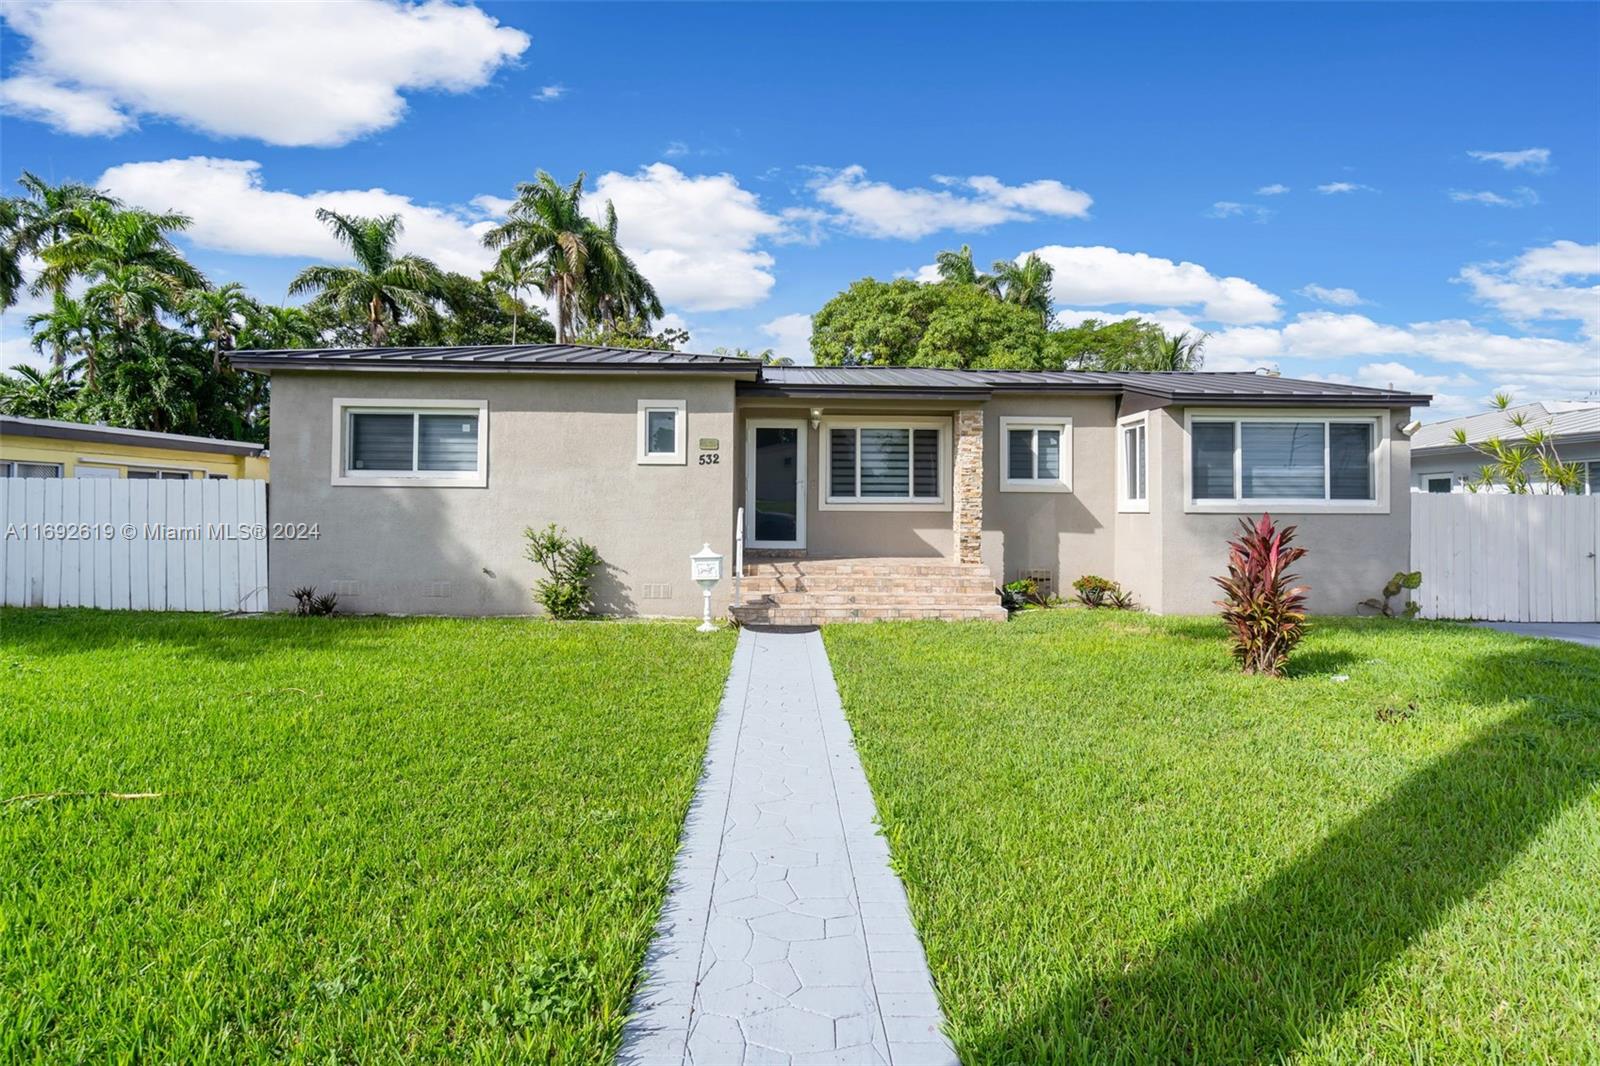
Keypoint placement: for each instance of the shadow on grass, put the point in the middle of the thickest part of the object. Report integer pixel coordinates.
(1255, 979)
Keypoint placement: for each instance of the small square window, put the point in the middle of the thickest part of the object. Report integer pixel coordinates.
(1038, 454)
(662, 432)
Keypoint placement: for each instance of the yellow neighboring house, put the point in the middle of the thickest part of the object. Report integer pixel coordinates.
(43, 447)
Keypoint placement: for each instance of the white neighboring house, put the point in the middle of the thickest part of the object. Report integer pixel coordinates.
(1439, 464)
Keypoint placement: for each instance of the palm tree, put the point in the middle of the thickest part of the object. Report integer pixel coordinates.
(1180, 351)
(381, 286)
(513, 276)
(959, 267)
(69, 328)
(546, 226)
(131, 296)
(1026, 284)
(614, 288)
(219, 314)
(35, 222)
(29, 393)
(278, 326)
(102, 238)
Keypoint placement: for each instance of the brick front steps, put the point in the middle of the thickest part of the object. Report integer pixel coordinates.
(799, 592)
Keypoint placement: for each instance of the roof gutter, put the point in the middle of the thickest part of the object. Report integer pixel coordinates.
(264, 365)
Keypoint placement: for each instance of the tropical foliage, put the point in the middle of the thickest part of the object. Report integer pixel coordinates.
(1529, 463)
(136, 336)
(1262, 607)
(1004, 320)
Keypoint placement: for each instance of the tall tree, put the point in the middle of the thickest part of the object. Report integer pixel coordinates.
(1184, 350)
(31, 393)
(382, 286)
(34, 222)
(546, 226)
(511, 277)
(131, 297)
(102, 238)
(279, 326)
(1026, 284)
(219, 314)
(958, 267)
(615, 289)
(69, 329)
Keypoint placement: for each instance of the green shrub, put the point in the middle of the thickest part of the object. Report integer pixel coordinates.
(1262, 607)
(1401, 582)
(570, 563)
(1095, 591)
(307, 603)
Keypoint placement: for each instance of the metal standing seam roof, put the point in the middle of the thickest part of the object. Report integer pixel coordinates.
(492, 357)
(1563, 421)
(1188, 386)
(1197, 387)
(95, 433)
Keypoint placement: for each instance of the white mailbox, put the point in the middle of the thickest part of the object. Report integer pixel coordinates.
(705, 566)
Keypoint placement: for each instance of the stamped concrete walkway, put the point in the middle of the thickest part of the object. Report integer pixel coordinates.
(785, 937)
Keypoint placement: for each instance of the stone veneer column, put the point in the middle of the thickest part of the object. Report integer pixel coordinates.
(968, 503)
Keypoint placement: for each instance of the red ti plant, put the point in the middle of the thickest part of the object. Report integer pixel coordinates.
(1262, 607)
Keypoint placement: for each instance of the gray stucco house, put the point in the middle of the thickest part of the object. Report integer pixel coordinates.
(867, 492)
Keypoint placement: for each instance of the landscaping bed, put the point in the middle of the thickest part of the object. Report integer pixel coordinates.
(370, 839)
(1120, 849)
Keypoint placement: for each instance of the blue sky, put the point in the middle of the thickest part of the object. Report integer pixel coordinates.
(1381, 194)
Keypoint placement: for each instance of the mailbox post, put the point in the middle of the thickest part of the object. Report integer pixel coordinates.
(705, 566)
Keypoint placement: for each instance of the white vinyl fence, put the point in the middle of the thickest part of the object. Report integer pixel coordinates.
(136, 545)
(1502, 558)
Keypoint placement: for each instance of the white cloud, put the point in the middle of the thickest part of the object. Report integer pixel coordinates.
(1536, 286)
(1334, 187)
(791, 336)
(84, 112)
(1534, 159)
(675, 150)
(1232, 209)
(1100, 276)
(695, 238)
(1275, 189)
(1337, 297)
(1522, 196)
(1328, 335)
(290, 74)
(878, 209)
(548, 93)
(234, 212)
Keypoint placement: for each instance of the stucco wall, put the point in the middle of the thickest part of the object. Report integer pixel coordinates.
(1067, 533)
(560, 449)
(1350, 555)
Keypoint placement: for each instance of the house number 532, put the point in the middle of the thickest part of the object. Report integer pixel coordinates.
(710, 458)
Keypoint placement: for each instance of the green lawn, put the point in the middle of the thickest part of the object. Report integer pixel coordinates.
(1120, 850)
(375, 838)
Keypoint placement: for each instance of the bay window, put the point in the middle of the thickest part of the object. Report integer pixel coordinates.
(1323, 462)
(885, 463)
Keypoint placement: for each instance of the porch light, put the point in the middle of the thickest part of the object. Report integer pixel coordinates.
(705, 566)
(816, 418)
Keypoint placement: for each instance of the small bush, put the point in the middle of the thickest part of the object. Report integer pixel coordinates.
(1020, 594)
(1263, 609)
(1097, 591)
(308, 604)
(570, 564)
(1401, 582)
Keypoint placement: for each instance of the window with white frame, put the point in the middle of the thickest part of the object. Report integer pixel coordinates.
(1132, 455)
(30, 469)
(1437, 483)
(406, 442)
(157, 474)
(888, 463)
(1036, 454)
(1302, 459)
(662, 432)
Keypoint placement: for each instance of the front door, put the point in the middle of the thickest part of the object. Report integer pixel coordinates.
(775, 483)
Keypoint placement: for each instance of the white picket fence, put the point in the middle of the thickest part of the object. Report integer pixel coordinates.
(1503, 558)
(136, 545)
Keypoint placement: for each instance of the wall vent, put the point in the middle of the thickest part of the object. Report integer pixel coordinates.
(437, 590)
(649, 591)
(1045, 579)
(347, 587)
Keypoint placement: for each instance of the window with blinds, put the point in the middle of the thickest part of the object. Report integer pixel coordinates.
(1332, 460)
(883, 464)
(402, 443)
(1036, 453)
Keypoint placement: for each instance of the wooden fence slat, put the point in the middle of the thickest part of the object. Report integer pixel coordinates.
(51, 562)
